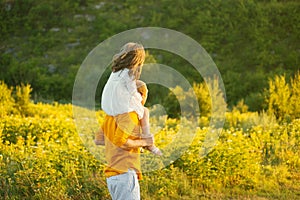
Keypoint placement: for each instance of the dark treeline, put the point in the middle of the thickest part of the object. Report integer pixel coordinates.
(43, 43)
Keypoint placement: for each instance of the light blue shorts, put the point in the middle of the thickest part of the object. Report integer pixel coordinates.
(124, 186)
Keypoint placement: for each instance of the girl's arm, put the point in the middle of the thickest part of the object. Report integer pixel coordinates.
(132, 89)
(131, 86)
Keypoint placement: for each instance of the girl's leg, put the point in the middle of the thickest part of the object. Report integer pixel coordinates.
(145, 124)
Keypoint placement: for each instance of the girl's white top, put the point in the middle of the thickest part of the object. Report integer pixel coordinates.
(120, 95)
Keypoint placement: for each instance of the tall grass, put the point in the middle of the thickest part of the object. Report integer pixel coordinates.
(43, 158)
(255, 157)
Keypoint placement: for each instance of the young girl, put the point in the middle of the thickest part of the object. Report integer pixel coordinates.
(129, 94)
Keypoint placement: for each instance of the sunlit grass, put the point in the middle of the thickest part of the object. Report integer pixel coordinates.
(42, 157)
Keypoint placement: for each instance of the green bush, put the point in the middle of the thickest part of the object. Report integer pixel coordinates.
(22, 99)
(250, 41)
(42, 157)
(199, 98)
(6, 100)
(283, 97)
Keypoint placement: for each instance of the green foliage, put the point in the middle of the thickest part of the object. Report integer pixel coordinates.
(44, 42)
(22, 98)
(6, 100)
(199, 98)
(15, 101)
(253, 159)
(203, 96)
(294, 99)
(42, 157)
(283, 97)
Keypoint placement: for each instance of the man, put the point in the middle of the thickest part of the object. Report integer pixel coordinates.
(121, 128)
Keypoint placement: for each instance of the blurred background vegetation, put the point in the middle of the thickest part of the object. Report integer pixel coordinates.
(43, 43)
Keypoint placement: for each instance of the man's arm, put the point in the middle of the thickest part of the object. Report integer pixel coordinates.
(138, 143)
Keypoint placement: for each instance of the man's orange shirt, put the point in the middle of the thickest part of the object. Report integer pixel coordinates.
(117, 130)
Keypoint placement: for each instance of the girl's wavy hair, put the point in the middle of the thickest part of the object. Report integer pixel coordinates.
(131, 56)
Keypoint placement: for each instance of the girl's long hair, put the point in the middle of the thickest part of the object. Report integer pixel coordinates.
(132, 57)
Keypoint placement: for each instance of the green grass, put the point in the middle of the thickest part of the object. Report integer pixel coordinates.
(42, 157)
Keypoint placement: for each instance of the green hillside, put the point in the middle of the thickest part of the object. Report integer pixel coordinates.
(44, 42)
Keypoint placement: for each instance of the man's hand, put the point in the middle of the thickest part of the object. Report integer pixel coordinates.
(99, 137)
(149, 141)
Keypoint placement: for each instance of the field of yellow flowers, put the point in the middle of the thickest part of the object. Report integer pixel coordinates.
(42, 157)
